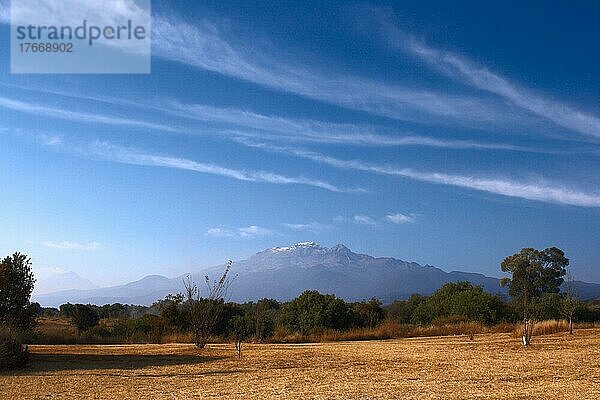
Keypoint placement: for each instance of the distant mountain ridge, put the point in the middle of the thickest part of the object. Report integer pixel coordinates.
(283, 273)
(63, 281)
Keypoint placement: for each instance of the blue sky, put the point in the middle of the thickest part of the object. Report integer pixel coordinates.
(447, 134)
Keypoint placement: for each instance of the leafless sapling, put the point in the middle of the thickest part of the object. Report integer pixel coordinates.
(570, 300)
(204, 313)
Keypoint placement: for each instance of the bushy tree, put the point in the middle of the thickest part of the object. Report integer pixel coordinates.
(67, 310)
(546, 306)
(460, 299)
(13, 354)
(312, 311)
(369, 314)
(115, 310)
(403, 311)
(240, 327)
(16, 285)
(84, 317)
(533, 273)
(170, 308)
(265, 315)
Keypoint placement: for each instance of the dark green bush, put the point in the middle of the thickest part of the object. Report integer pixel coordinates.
(13, 354)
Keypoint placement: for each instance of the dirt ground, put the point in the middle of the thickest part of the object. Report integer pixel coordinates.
(493, 366)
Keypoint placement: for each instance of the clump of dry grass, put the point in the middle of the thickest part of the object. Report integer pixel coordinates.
(386, 330)
(390, 330)
(461, 328)
(178, 337)
(548, 327)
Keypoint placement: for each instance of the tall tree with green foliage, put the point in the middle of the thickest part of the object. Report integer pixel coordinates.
(313, 311)
(370, 313)
(84, 317)
(533, 273)
(16, 285)
(462, 300)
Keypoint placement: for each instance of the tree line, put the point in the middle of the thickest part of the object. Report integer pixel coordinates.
(534, 288)
(313, 313)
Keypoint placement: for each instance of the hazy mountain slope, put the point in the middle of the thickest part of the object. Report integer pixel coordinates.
(283, 273)
(64, 281)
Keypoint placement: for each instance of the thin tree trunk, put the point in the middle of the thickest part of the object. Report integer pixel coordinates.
(570, 325)
(527, 333)
(238, 347)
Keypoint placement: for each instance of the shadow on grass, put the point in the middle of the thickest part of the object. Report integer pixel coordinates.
(65, 362)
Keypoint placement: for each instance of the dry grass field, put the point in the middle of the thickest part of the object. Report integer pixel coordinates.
(492, 366)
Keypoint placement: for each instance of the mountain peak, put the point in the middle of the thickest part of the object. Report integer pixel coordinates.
(340, 248)
(301, 245)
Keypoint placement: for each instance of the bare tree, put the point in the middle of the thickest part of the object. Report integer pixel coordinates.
(204, 313)
(570, 300)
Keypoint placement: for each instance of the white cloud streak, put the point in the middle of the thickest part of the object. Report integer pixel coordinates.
(310, 227)
(266, 127)
(209, 46)
(363, 220)
(122, 155)
(559, 113)
(271, 127)
(399, 218)
(540, 190)
(60, 113)
(466, 71)
(243, 232)
(303, 130)
(252, 231)
(66, 245)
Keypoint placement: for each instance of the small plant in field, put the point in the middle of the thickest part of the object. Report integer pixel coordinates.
(204, 313)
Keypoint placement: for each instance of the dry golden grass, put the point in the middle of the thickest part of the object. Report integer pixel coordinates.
(543, 328)
(492, 366)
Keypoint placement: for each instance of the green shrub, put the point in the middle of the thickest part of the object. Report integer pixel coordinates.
(13, 354)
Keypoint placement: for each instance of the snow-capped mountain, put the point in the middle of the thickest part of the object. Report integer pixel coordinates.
(283, 273)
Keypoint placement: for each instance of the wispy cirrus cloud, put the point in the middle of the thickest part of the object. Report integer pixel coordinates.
(399, 218)
(253, 230)
(243, 232)
(305, 130)
(46, 139)
(220, 232)
(272, 127)
(538, 190)
(269, 127)
(67, 245)
(468, 72)
(64, 114)
(123, 155)
(363, 220)
(309, 227)
(211, 46)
